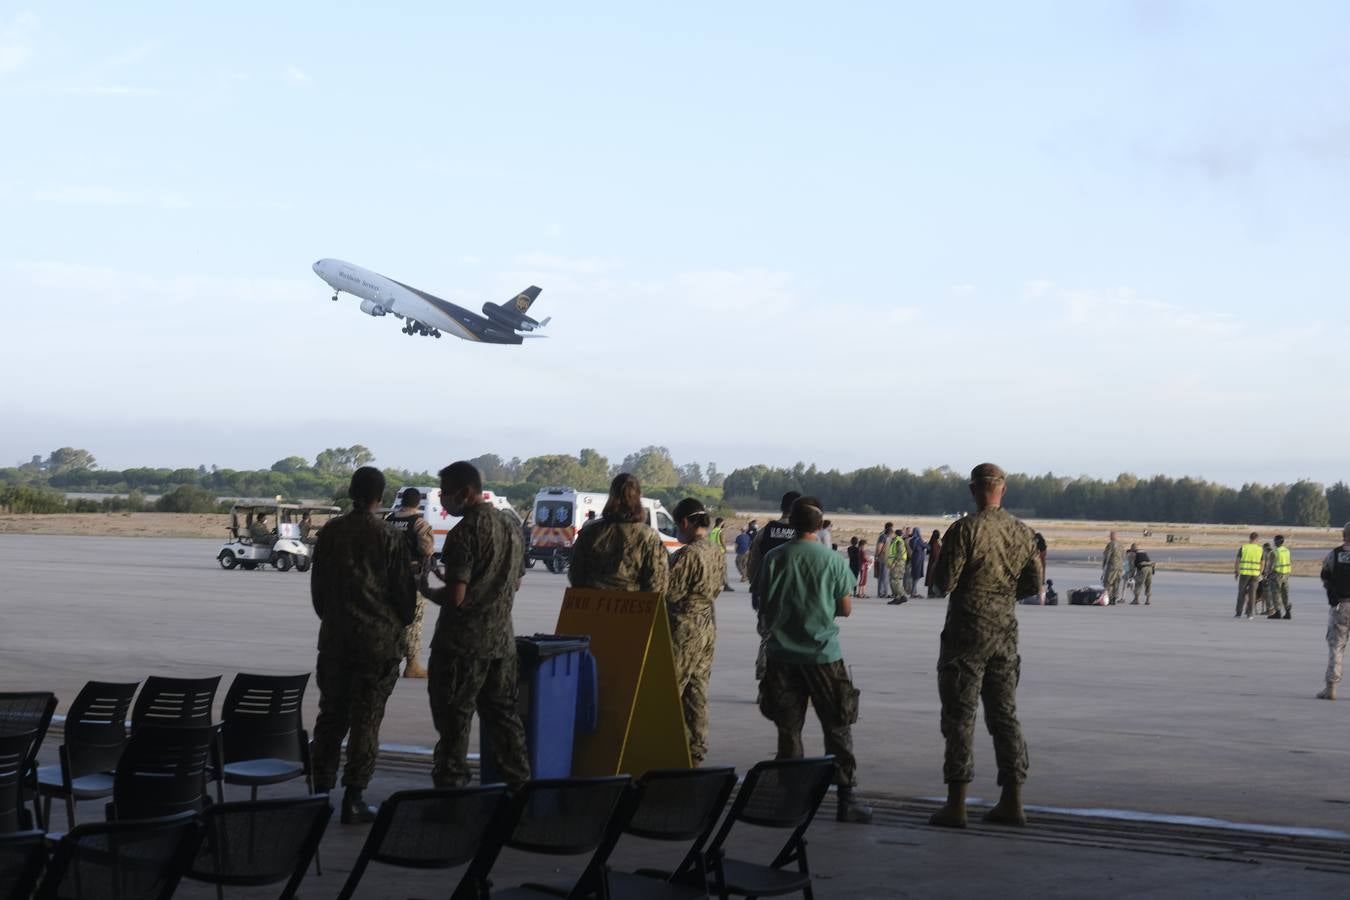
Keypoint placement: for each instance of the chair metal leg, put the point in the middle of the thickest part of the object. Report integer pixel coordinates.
(70, 810)
(253, 793)
(309, 781)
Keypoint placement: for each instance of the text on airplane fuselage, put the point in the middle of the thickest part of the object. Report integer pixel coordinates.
(351, 277)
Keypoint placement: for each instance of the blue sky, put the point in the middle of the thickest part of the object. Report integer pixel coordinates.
(1079, 237)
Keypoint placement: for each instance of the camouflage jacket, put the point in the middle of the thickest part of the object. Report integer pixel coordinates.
(1112, 559)
(362, 588)
(988, 560)
(697, 573)
(484, 552)
(620, 556)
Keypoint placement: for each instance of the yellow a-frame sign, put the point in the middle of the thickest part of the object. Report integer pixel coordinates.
(641, 722)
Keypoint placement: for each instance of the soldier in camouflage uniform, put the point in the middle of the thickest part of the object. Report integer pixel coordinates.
(407, 520)
(363, 591)
(988, 560)
(1113, 570)
(897, 561)
(804, 587)
(473, 651)
(621, 552)
(697, 571)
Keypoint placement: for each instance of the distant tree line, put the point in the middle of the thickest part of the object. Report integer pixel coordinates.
(1127, 498)
(39, 486)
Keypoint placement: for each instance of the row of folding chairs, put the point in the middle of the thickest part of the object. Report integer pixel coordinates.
(247, 843)
(161, 765)
(446, 828)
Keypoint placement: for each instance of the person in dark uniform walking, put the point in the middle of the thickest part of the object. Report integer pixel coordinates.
(473, 650)
(364, 594)
(773, 534)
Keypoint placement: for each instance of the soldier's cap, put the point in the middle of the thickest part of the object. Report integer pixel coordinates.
(986, 473)
(410, 498)
(692, 509)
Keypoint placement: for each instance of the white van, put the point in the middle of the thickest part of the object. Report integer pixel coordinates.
(560, 512)
(441, 521)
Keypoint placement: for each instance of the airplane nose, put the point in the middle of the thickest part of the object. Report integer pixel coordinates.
(318, 268)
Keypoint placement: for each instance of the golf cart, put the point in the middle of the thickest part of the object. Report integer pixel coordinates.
(281, 535)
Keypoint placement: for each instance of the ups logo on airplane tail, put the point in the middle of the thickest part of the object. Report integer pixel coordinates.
(522, 302)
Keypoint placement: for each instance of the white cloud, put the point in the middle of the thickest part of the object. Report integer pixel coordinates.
(296, 75)
(110, 90)
(102, 195)
(12, 56)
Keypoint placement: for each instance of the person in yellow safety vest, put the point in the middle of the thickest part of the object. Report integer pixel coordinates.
(1277, 585)
(715, 538)
(897, 563)
(1247, 571)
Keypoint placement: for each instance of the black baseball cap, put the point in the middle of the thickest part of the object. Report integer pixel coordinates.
(693, 509)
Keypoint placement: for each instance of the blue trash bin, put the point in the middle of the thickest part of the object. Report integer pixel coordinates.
(558, 698)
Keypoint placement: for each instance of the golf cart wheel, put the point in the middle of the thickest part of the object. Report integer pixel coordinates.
(302, 564)
(227, 561)
(529, 562)
(557, 564)
(248, 565)
(282, 561)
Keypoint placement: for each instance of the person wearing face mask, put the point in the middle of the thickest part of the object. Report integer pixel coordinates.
(473, 650)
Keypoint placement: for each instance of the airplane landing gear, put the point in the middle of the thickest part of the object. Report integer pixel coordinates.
(334, 296)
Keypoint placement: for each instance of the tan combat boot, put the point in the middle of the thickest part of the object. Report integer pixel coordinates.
(1008, 810)
(1328, 692)
(414, 669)
(953, 814)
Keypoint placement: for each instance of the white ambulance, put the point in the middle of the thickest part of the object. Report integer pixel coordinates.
(440, 519)
(560, 512)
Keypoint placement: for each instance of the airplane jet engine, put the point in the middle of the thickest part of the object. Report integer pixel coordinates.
(371, 308)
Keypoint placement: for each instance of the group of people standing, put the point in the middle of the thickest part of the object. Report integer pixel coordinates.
(900, 560)
(1262, 573)
(368, 574)
(1127, 568)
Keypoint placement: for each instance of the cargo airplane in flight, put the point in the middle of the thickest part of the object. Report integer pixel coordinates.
(422, 313)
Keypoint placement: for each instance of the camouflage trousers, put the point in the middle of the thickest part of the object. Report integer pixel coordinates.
(352, 694)
(965, 677)
(1246, 598)
(461, 685)
(762, 657)
(1277, 593)
(1143, 583)
(783, 695)
(694, 633)
(413, 636)
(1338, 632)
(1113, 581)
(742, 561)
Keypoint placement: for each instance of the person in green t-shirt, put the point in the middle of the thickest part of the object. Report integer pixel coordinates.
(803, 587)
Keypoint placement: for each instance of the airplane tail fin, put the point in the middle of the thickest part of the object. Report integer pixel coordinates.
(525, 299)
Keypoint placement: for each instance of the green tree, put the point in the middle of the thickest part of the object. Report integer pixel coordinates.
(690, 475)
(594, 474)
(1338, 503)
(29, 499)
(291, 464)
(554, 469)
(1306, 504)
(187, 498)
(652, 466)
(68, 458)
(343, 460)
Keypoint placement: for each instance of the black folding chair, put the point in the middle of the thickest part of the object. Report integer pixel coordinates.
(13, 759)
(28, 712)
(669, 805)
(162, 772)
(175, 701)
(556, 817)
(94, 735)
(262, 733)
(260, 842)
(438, 828)
(780, 794)
(22, 856)
(130, 860)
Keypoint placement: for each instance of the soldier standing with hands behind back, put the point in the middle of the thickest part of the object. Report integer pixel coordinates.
(1113, 569)
(697, 571)
(473, 650)
(408, 521)
(988, 560)
(363, 591)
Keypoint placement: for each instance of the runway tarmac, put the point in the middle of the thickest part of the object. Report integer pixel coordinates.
(1173, 709)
